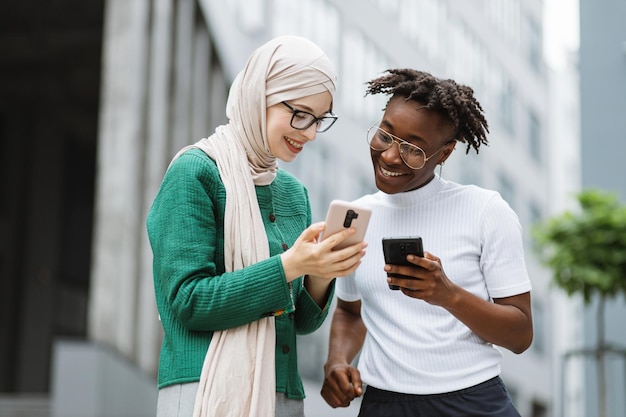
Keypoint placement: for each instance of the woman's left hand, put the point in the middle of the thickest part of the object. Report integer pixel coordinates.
(505, 322)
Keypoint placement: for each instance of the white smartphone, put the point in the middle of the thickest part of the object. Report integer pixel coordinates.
(342, 215)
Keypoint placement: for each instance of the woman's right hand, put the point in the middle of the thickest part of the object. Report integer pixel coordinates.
(308, 256)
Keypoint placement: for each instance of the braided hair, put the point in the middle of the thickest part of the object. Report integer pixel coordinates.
(455, 101)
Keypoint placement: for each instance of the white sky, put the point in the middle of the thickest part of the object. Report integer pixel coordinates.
(561, 30)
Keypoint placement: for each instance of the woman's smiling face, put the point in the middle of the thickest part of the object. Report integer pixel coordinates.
(286, 142)
(427, 129)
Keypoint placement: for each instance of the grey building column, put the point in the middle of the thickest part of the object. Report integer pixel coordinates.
(119, 208)
(162, 88)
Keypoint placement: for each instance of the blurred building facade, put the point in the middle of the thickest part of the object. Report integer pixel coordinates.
(154, 76)
(603, 146)
(564, 178)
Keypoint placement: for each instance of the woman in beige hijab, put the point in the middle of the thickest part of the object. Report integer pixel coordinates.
(238, 269)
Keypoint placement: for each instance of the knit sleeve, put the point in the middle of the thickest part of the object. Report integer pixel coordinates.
(309, 315)
(185, 227)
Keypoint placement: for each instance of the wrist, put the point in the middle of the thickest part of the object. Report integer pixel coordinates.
(454, 300)
(333, 362)
(290, 270)
(318, 288)
(317, 284)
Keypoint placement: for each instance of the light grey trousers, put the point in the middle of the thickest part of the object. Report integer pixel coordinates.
(178, 400)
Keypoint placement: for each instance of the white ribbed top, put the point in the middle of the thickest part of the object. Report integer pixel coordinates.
(412, 346)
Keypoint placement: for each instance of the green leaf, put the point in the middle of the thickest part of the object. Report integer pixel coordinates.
(586, 249)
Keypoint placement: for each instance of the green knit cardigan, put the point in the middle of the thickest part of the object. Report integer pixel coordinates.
(194, 294)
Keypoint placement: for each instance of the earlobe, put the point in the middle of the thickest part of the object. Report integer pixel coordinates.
(446, 154)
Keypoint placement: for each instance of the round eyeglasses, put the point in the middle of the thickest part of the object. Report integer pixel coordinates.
(413, 156)
(302, 120)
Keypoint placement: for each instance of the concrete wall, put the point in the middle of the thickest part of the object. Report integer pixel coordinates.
(91, 380)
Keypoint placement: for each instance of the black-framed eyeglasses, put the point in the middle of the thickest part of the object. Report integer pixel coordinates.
(302, 120)
(413, 156)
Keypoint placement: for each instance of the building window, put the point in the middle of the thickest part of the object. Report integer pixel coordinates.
(535, 215)
(506, 189)
(471, 63)
(423, 22)
(361, 61)
(505, 16)
(534, 135)
(533, 44)
(506, 104)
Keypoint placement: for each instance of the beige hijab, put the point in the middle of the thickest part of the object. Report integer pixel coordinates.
(238, 374)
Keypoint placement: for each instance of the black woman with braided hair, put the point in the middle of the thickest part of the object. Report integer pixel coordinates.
(430, 348)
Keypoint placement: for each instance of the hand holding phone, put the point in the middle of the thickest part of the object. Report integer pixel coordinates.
(343, 215)
(396, 250)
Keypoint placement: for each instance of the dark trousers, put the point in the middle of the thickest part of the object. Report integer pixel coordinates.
(487, 399)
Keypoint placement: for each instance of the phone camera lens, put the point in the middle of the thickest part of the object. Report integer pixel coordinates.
(350, 215)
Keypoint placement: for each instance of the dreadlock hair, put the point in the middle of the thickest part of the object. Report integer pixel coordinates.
(455, 101)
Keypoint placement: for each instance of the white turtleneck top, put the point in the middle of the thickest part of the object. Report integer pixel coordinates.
(414, 347)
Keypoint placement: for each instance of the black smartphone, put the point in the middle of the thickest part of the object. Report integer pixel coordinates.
(396, 250)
